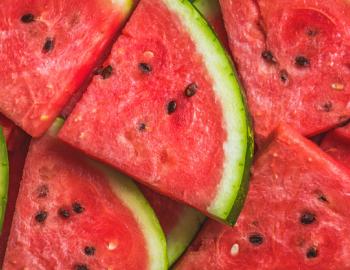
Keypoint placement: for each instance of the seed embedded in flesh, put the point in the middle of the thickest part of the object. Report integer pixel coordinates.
(107, 72)
(145, 68)
(302, 61)
(327, 106)
(81, 267)
(41, 216)
(337, 86)
(89, 251)
(78, 208)
(171, 107)
(48, 45)
(27, 18)
(307, 218)
(191, 90)
(256, 239)
(311, 32)
(312, 253)
(234, 250)
(284, 75)
(142, 127)
(64, 213)
(268, 57)
(42, 191)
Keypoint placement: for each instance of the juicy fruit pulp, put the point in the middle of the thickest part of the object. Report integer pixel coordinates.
(295, 217)
(48, 49)
(179, 222)
(4, 178)
(170, 112)
(337, 144)
(71, 213)
(294, 59)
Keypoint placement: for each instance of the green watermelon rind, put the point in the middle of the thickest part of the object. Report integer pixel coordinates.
(206, 7)
(239, 145)
(155, 239)
(128, 192)
(183, 233)
(4, 178)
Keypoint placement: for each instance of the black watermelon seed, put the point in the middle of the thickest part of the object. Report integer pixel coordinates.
(323, 198)
(327, 106)
(302, 61)
(107, 72)
(312, 253)
(43, 191)
(256, 239)
(268, 57)
(48, 45)
(171, 107)
(27, 18)
(191, 90)
(41, 216)
(98, 71)
(77, 208)
(89, 251)
(145, 68)
(307, 218)
(81, 267)
(142, 127)
(64, 213)
(284, 75)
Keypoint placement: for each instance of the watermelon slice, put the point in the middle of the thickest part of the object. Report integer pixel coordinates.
(74, 214)
(170, 113)
(48, 49)
(4, 177)
(180, 223)
(211, 11)
(337, 144)
(294, 59)
(296, 215)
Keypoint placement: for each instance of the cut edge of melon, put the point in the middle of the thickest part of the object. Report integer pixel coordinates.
(182, 235)
(128, 192)
(4, 178)
(228, 91)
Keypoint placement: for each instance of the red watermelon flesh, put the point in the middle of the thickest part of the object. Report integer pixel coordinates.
(140, 120)
(294, 61)
(337, 144)
(48, 49)
(68, 217)
(296, 215)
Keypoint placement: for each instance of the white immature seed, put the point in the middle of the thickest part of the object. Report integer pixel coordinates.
(112, 245)
(234, 250)
(337, 86)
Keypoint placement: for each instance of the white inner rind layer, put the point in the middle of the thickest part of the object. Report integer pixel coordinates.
(4, 177)
(183, 233)
(133, 199)
(123, 5)
(227, 91)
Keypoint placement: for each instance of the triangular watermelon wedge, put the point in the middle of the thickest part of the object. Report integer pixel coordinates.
(73, 213)
(337, 144)
(170, 113)
(296, 215)
(48, 49)
(294, 61)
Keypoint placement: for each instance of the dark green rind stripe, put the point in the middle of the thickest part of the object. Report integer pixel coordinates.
(4, 178)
